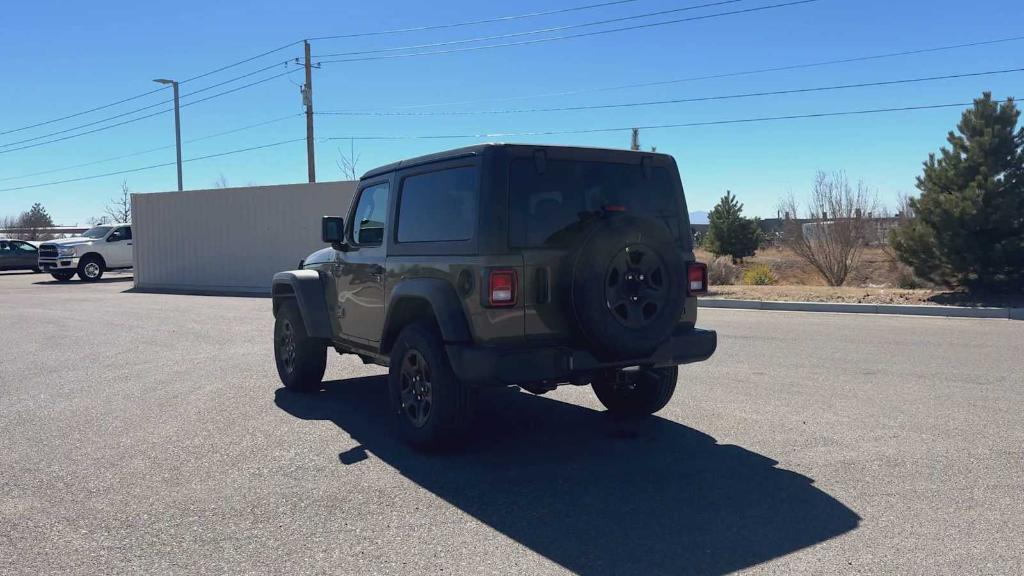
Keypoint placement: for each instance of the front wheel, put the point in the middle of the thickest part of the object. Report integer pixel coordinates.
(431, 405)
(636, 393)
(62, 276)
(301, 360)
(90, 269)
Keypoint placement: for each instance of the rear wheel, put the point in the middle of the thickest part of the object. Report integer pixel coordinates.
(62, 276)
(636, 393)
(301, 360)
(431, 405)
(90, 268)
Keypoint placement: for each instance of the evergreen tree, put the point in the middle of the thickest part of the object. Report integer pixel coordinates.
(729, 232)
(967, 227)
(33, 220)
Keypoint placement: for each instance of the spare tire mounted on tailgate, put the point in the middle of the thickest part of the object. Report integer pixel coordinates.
(626, 286)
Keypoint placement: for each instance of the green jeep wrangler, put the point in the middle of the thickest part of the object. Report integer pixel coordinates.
(502, 265)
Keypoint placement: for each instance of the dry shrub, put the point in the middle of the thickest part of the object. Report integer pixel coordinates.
(759, 275)
(722, 272)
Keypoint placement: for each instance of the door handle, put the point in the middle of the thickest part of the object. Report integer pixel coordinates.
(377, 270)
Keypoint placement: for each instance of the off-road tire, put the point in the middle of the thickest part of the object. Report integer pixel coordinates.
(434, 408)
(63, 276)
(615, 248)
(651, 391)
(90, 268)
(301, 360)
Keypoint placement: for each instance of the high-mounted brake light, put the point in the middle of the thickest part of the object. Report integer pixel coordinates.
(502, 288)
(696, 278)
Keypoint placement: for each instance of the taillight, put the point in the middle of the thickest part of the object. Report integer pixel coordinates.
(696, 278)
(502, 288)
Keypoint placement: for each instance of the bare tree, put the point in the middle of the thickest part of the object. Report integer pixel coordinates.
(120, 209)
(8, 225)
(832, 237)
(347, 164)
(221, 182)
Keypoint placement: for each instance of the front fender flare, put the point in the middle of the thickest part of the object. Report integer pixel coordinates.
(306, 287)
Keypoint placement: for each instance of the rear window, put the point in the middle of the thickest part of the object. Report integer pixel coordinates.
(546, 208)
(438, 206)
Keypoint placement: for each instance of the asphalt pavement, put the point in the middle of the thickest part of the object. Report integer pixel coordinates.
(148, 434)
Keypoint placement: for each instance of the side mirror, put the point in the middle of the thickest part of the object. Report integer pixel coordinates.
(332, 230)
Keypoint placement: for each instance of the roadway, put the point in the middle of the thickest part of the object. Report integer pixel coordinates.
(144, 433)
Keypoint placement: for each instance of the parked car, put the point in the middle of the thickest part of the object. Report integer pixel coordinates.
(98, 249)
(18, 255)
(500, 265)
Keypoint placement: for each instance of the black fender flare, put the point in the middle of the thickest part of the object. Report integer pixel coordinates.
(306, 287)
(443, 301)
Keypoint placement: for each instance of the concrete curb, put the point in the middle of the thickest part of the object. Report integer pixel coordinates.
(845, 308)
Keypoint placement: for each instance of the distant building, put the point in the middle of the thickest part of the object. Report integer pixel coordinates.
(878, 228)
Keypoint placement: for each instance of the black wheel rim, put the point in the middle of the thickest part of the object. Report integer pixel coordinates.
(287, 346)
(636, 286)
(416, 389)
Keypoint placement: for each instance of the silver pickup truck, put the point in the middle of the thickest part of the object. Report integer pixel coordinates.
(101, 248)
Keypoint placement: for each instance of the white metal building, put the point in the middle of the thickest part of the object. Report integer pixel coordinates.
(229, 240)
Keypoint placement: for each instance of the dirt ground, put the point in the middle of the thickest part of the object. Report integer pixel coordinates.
(876, 281)
(876, 268)
(845, 294)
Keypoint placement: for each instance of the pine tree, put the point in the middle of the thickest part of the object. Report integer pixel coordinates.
(729, 232)
(968, 224)
(33, 220)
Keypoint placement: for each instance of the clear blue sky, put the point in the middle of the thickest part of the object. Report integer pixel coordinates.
(62, 57)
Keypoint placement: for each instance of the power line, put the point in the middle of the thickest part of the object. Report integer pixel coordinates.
(568, 36)
(151, 150)
(530, 32)
(511, 134)
(132, 120)
(240, 62)
(680, 100)
(144, 108)
(655, 126)
(472, 22)
(144, 94)
(717, 76)
(153, 166)
(297, 42)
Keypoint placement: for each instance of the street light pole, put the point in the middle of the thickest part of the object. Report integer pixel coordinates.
(177, 125)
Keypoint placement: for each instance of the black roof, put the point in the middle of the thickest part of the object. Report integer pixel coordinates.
(479, 149)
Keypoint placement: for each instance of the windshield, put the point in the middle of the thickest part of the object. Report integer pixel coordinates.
(547, 206)
(97, 232)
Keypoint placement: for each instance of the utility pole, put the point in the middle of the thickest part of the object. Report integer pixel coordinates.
(635, 142)
(307, 99)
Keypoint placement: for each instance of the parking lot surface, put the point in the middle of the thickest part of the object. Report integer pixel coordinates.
(148, 434)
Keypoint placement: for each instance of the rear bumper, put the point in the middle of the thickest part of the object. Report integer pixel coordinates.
(484, 366)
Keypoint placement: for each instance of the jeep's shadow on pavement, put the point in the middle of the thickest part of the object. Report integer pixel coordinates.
(596, 495)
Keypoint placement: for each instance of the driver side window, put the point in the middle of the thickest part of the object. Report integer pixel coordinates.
(120, 234)
(370, 217)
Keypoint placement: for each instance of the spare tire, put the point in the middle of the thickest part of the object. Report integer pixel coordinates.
(627, 285)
